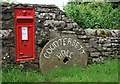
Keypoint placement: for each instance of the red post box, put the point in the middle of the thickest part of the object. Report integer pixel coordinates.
(24, 33)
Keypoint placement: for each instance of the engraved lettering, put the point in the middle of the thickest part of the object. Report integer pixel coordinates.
(64, 41)
(61, 43)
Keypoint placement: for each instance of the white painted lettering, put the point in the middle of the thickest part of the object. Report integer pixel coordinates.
(46, 55)
(70, 54)
(82, 51)
(69, 41)
(60, 41)
(76, 46)
(56, 44)
(80, 47)
(63, 53)
(52, 47)
(64, 41)
(49, 51)
(59, 56)
(74, 42)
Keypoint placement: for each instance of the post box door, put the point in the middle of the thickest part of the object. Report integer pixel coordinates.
(25, 41)
(24, 33)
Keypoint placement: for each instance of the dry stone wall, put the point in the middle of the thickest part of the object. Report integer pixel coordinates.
(51, 22)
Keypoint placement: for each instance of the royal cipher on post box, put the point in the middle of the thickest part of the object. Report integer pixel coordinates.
(24, 33)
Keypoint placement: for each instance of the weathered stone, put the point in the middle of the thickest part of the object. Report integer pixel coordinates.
(97, 59)
(68, 32)
(94, 54)
(103, 33)
(7, 24)
(70, 26)
(62, 51)
(54, 34)
(4, 33)
(7, 16)
(90, 32)
(50, 22)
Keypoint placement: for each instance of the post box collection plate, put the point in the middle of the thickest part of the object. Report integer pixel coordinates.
(61, 52)
(24, 33)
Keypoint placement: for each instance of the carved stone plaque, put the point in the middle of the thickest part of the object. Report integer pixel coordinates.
(61, 52)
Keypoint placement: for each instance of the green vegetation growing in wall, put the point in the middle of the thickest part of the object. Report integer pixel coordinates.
(87, 15)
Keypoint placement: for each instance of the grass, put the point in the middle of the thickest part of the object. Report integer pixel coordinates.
(0, 75)
(106, 71)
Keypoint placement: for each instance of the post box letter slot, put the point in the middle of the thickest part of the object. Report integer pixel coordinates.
(24, 33)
